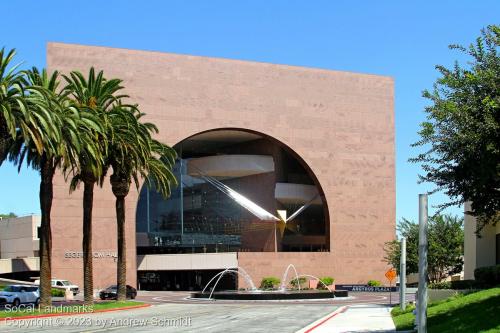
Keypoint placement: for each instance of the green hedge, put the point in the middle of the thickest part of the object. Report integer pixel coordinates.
(374, 283)
(57, 292)
(270, 282)
(460, 284)
(488, 276)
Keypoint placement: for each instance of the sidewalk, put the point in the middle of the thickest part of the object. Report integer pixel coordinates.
(355, 318)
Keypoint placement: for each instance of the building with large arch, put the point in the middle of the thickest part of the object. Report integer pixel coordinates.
(277, 165)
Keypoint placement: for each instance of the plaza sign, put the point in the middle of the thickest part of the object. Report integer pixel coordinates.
(95, 255)
(364, 288)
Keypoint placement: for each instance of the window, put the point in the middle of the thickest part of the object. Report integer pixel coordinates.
(231, 185)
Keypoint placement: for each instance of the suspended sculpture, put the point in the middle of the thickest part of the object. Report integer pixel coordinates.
(251, 206)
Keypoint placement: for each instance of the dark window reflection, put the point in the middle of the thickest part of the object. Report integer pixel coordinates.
(199, 217)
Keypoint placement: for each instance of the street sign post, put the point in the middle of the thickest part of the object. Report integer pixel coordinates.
(391, 275)
(402, 276)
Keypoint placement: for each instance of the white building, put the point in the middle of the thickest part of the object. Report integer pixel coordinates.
(19, 247)
(480, 251)
(19, 237)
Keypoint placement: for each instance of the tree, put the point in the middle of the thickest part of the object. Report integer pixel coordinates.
(446, 241)
(462, 130)
(97, 95)
(446, 247)
(13, 110)
(46, 162)
(10, 215)
(28, 127)
(132, 153)
(409, 230)
(56, 123)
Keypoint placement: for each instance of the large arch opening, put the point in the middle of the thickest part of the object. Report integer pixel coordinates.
(239, 190)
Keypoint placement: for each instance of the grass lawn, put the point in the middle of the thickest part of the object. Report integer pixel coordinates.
(68, 308)
(114, 304)
(475, 312)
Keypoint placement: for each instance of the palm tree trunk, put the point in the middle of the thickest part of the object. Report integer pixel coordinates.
(120, 187)
(121, 272)
(45, 250)
(88, 280)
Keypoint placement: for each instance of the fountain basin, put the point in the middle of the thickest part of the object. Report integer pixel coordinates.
(272, 295)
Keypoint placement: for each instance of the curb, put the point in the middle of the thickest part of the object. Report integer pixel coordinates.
(5, 319)
(309, 328)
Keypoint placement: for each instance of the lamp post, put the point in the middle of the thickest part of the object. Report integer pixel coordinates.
(422, 263)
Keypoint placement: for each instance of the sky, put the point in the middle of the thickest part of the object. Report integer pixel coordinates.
(401, 39)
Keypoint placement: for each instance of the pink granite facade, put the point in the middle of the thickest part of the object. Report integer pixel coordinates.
(340, 123)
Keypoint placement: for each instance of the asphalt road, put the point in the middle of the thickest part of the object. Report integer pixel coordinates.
(190, 317)
(174, 312)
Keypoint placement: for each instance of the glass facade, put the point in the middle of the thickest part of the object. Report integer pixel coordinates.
(231, 185)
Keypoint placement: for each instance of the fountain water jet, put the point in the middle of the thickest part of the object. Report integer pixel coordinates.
(285, 275)
(316, 278)
(247, 278)
(255, 294)
(245, 275)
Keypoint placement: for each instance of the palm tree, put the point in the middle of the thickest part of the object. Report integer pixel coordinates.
(57, 125)
(100, 96)
(132, 154)
(13, 110)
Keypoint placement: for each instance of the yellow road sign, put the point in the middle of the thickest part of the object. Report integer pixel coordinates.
(391, 274)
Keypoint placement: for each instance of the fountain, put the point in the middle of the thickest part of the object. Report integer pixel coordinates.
(243, 273)
(285, 275)
(316, 278)
(254, 293)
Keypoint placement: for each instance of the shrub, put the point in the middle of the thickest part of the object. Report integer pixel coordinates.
(464, 284)
(328, 280)
(269, 282)
(488, 276)
(294, 283)
(57, 292)
(440, 285)
(396, 311)
(459, 284)
(374, 283)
